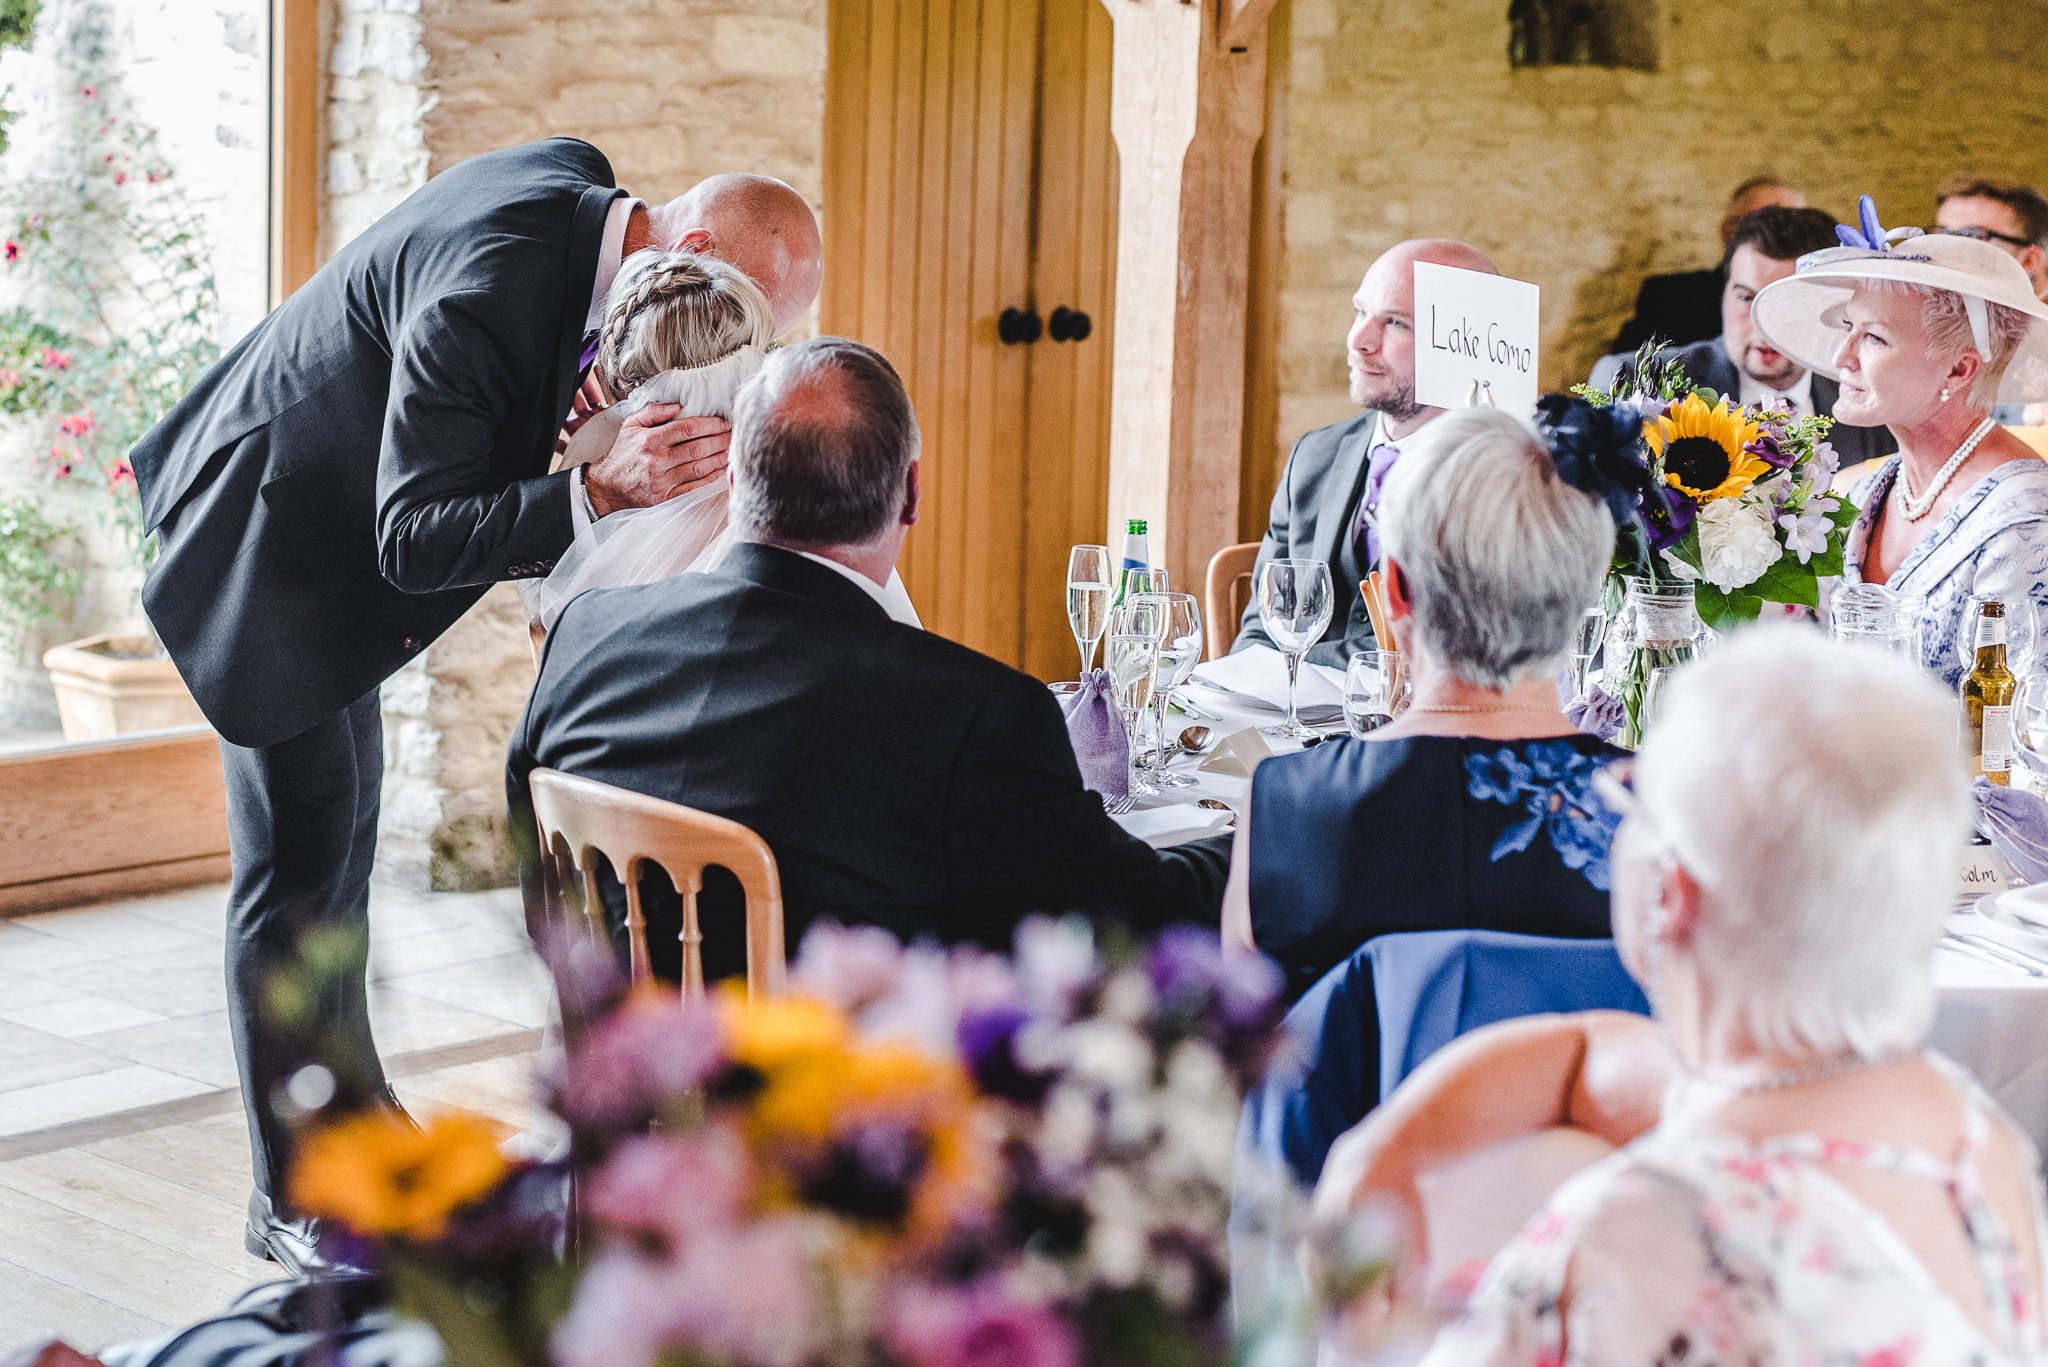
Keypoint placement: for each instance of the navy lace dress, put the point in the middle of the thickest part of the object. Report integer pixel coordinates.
(1358, 838)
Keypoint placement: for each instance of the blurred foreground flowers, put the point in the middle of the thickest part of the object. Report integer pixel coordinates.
(918, 1158)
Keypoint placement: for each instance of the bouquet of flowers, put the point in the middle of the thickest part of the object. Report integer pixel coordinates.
(1720, 509)
(918, 1158)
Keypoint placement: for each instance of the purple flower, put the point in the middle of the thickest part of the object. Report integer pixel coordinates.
(588, 980)
(988, 1046)
(1668, 520)
(633, 1066)
(848, 966)
(672, 1187)
(978, 1326)
(1767, 449)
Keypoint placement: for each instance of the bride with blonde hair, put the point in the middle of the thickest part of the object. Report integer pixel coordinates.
(680, 328)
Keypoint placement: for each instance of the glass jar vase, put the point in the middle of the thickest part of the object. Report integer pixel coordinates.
(1656, 630)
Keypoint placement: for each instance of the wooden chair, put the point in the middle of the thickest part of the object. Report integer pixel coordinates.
(1222, 604)
(580, 817)
(2036, 437)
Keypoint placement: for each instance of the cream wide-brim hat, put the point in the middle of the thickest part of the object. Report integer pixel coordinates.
(1801, 315)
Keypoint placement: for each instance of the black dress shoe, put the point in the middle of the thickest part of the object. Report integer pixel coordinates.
(292, 1242)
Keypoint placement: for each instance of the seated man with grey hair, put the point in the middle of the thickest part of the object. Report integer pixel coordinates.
(1491, 560)
(901, 779)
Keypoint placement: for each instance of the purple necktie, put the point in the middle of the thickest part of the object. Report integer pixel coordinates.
(1382, 459)
(589, 349)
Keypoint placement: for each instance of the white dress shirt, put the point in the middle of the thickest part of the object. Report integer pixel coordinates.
(1799, 393)
(893, 597)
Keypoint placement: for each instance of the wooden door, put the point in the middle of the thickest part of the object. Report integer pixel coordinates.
(968, 170)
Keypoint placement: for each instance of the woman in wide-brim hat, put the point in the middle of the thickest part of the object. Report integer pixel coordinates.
(1925, 333)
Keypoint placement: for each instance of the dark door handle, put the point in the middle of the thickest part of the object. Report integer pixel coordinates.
(1016, 326)
(1069, 325)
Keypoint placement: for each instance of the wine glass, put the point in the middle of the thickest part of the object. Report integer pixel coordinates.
(1587, 640)
(1295, 602)
(1374, 681)
(1179, 653)
(1657, 694)
(1088, 590)
(1135, 630)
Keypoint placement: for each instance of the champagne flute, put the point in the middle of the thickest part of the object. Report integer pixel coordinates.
(1295, 602)
(1586, 643)
(1134, 632)
(1088, 591)
(1179, 653)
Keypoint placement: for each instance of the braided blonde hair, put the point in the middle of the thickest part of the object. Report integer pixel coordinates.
(676, 311)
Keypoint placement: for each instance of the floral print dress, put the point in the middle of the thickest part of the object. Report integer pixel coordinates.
(1691, 1248)
(1993, 543)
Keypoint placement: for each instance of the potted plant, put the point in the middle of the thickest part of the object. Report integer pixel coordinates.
(117, 317)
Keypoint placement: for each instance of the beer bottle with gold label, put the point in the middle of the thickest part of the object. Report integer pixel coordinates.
(1987, 699)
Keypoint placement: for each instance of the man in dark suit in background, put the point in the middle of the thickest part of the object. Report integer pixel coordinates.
(900, 779)
(1766, 247)
(347, 481)
(1686, 306)
(1332, 480)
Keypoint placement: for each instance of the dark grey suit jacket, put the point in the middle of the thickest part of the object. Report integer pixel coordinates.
(349, 479)
(1709, 364)
(1311, 518)
(901, 779)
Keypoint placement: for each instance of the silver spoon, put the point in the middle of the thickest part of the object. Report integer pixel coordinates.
(1193, 738)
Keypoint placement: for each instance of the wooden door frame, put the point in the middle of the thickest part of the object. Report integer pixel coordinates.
(296, 104)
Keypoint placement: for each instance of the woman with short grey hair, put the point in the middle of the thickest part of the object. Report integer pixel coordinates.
(1473, 809)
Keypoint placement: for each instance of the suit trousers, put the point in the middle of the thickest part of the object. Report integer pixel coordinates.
(302, 826)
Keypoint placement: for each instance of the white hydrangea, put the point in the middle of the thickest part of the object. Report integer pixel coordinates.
(1737, 543)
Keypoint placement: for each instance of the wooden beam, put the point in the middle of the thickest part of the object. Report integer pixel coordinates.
(1188, 106)
(295, 108)
(1244, 20)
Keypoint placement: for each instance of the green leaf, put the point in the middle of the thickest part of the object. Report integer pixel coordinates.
(1725, 611)
(1788, 581)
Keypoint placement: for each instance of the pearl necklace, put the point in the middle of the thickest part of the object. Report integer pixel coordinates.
(1917, 507)
(1474, 710)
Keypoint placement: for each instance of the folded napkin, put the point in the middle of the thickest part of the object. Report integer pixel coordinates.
(1160, 827)
(1256, 677)
(2016, 824)
(1096, 729)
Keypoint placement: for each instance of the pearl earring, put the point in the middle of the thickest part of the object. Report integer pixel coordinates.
(1944, 393)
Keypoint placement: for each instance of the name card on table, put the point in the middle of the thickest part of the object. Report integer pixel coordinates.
(1983, 872)
(1475, 335)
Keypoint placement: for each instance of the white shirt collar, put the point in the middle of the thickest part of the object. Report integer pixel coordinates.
(891, 597)
(1800, 392)
(610, 250)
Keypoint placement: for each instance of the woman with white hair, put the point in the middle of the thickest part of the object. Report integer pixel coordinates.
(1473, 809)
(1926, 333)
(1817, 1187)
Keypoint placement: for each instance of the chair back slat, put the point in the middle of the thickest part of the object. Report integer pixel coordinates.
(631, 830)
(1222, 605)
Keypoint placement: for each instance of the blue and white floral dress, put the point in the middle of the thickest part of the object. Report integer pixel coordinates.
(1992, 544)
(1359, 838)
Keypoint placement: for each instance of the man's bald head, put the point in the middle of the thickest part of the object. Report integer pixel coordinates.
(756, 223)
(1381, 345)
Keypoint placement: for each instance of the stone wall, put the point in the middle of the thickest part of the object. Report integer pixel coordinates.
(196, 71)
(671, 90)
(1404, 120)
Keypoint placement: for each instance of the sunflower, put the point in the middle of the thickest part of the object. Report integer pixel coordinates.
(1702, 448)
(378, 1175)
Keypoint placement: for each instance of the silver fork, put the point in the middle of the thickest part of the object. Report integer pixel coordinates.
(1117, 806)
(1992, 951)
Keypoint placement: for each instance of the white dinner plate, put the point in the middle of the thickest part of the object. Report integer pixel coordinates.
(2022, 912)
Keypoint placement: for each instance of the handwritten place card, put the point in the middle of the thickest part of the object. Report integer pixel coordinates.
(1474, 329)
(1983, 873)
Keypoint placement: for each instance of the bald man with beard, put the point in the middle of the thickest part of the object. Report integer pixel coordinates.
(1334, 474)
(340, 488)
